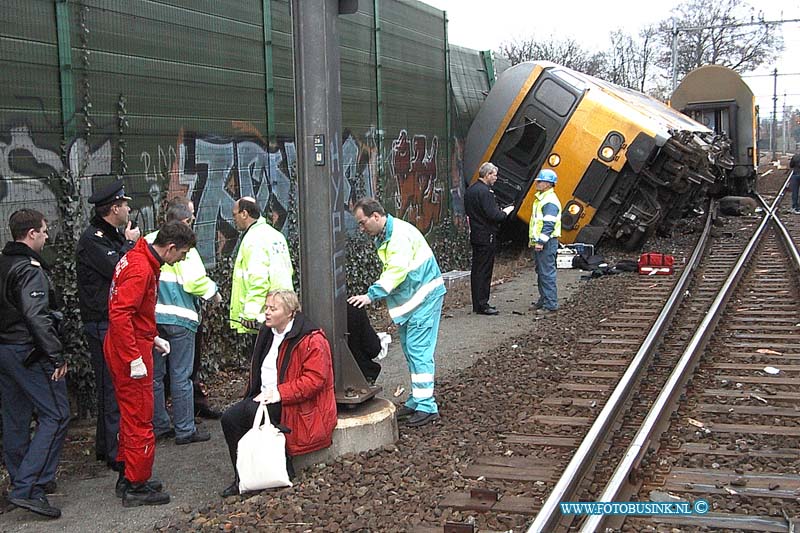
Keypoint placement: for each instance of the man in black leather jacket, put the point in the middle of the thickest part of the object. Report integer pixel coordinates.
(99, 249)
(32, 366)
(484, 222)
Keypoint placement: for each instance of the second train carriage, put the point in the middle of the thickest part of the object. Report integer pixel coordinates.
(718, 98)
(627, 164)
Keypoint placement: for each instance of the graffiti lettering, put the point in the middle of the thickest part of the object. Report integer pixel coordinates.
(413, 166)
(215, 174)
(26, 167)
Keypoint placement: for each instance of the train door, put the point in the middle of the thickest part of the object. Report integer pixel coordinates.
(531, 135)
(717, 116)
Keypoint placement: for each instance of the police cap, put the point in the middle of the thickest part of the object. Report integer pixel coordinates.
(110, 193)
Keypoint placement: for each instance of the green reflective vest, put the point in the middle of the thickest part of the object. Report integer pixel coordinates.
(262, 265)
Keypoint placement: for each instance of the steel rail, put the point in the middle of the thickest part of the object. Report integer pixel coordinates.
(791, 247)
(566, 487)
(676, 380)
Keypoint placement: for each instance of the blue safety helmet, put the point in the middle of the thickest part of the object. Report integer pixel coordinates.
(547, 175)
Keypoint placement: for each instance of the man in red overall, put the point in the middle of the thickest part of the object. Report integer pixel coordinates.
(128, 349)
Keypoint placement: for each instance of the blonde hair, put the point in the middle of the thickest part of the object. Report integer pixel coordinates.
(288, 298)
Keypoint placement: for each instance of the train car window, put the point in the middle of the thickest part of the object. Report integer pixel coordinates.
(555, 97)
(525, 142)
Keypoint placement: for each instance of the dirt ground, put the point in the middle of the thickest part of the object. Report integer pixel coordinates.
(194, 474)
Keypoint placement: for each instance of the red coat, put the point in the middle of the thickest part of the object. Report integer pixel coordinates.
(305, 383)
(132, 305)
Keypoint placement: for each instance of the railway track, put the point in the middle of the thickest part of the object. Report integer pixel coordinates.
(641, 466)
(595, 420)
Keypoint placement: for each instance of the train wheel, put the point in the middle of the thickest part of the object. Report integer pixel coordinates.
(635, 241)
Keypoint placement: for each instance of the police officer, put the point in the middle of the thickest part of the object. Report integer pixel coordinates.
(32, 366)
(109, 236)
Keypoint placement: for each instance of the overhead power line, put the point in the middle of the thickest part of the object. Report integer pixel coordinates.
(676, 30)
(735, 25)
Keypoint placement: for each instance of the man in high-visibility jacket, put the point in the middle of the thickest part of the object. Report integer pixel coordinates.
(543, 234)
(262, 265)
(181, 287)
(414, 290)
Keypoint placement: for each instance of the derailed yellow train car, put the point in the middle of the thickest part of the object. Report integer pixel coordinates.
(627, 164)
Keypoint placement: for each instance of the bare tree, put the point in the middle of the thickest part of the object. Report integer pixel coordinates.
(565, 52)
(629, 60)
(711, 32)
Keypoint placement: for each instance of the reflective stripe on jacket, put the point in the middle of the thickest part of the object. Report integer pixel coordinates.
(262, 265)
(180, 288)
(411, 280)
(545, 218)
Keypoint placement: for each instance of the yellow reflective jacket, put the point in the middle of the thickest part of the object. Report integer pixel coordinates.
(262, 265)
(545, 218)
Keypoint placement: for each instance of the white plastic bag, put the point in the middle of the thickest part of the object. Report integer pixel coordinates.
(261, 456)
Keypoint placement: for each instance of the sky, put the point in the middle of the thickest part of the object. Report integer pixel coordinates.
(483, 25)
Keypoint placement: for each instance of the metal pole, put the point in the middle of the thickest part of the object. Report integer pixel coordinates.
(269, 73)
(674, 54)
(785, 126)
(772, 140)
(66, 80)
(321, 186)
(376, 7)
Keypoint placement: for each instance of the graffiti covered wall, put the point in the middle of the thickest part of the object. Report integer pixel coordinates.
(174, 119)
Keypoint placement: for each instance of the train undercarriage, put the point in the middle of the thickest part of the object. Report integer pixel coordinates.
(674, 182)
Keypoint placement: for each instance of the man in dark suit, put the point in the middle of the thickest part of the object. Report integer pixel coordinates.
(484, 222)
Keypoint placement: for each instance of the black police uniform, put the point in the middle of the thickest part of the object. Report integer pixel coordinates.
(99, 250)
(30, 351)
(484, 222)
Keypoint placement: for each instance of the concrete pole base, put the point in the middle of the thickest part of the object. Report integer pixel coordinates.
(365, 427)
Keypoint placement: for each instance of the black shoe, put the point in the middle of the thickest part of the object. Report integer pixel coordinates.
(143, 494)
(197, 436)
(37, 505)
(206, 412)
(420, 418)
(404, 412)
(488, 311)
(230, 490)
(123, 484)
(168, 434)
(50, 487)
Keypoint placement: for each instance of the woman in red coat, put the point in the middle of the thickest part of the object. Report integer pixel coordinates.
(292, 372)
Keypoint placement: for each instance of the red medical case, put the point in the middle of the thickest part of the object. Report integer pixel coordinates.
(655, 263)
